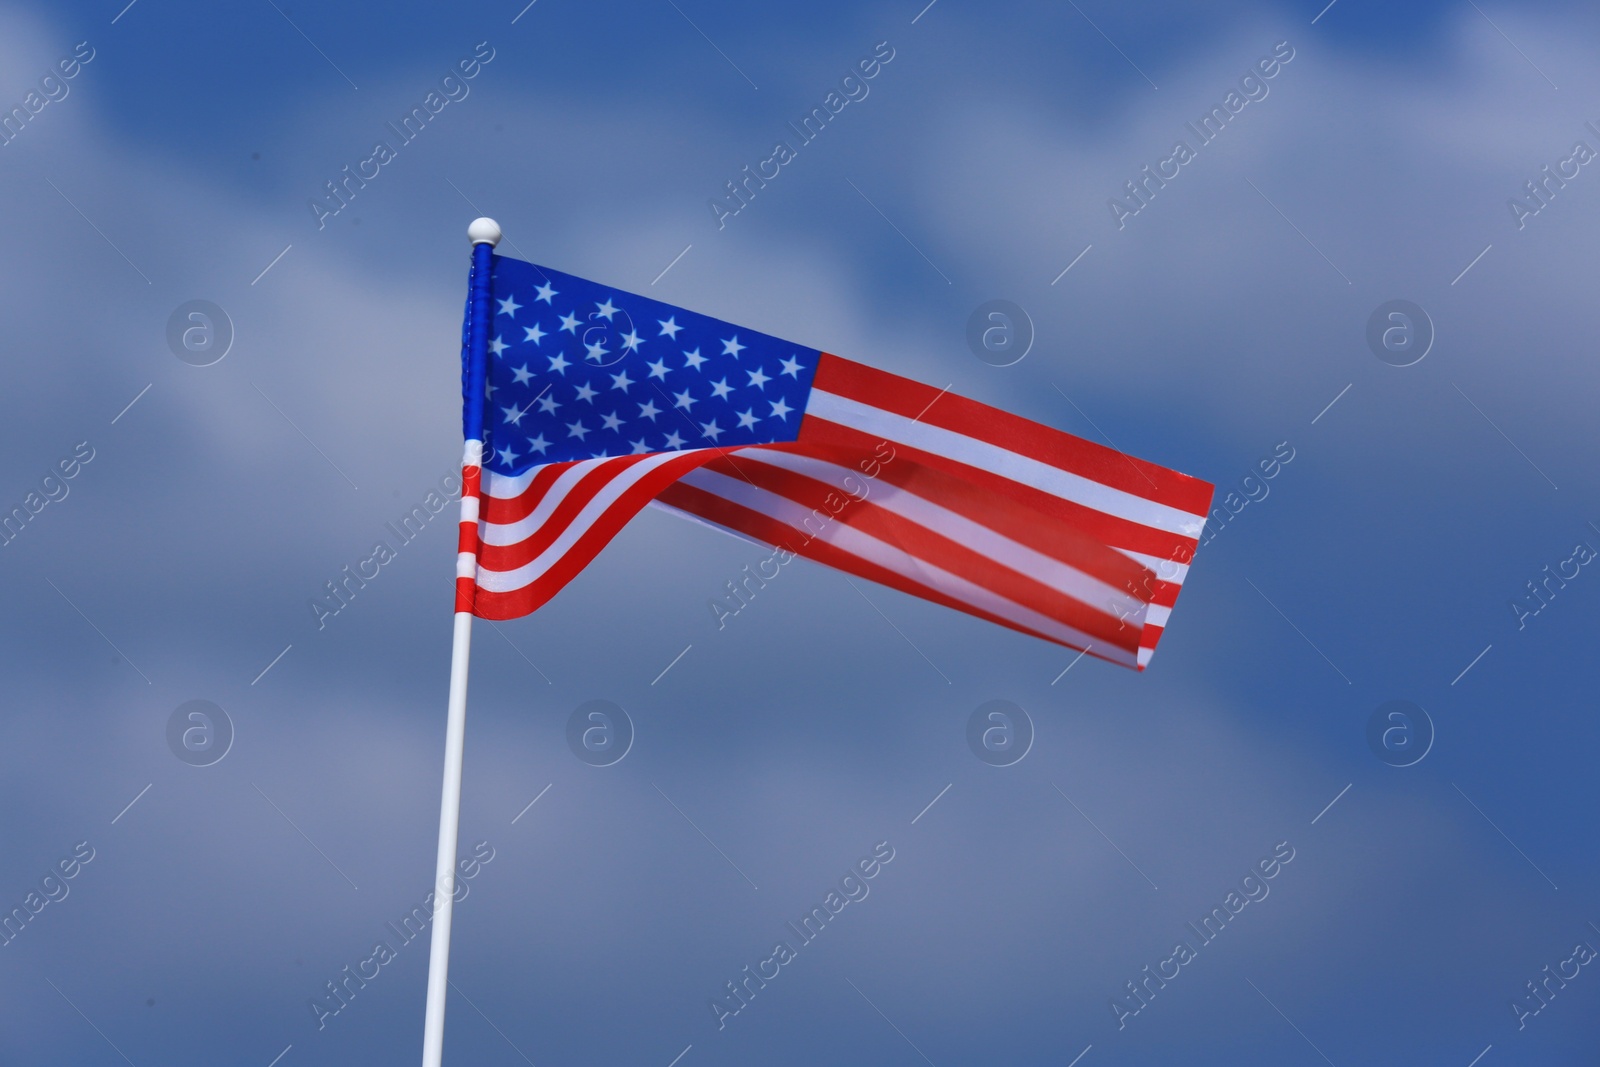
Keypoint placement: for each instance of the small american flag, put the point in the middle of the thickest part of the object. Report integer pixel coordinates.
(601, 401)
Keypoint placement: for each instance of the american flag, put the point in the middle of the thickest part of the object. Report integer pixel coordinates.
(600, 401)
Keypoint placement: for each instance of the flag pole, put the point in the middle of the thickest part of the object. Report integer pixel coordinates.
(484, 234)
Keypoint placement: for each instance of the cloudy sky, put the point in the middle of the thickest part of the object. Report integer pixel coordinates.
(1225, 321)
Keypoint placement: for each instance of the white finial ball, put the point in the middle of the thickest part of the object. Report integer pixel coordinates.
(484, 231)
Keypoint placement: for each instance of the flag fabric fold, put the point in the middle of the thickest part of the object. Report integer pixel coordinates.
(598, 402)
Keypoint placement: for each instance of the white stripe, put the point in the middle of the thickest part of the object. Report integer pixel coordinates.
(507, 486)
(532, 571)
(513, 532)
(1165, 570)
(472, 454)
(469, 509)
(1028, 562)
(510, 486)
(466, 565)
(1156, 615)
(1003, 462)
(868, 548)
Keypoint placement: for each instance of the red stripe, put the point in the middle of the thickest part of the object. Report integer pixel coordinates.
(1018, 521)
(973, 496)
(591, 482)
(1087, 522)
(1107, 466)
(502, 509)
(531, 597)
(900, 471)
(939, 551)
(467, 540)
(770, 531)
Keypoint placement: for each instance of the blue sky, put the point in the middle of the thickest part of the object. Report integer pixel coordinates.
(1228, 316)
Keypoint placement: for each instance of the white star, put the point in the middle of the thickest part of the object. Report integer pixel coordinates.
(586, 393)
(605, 310)
(631, 340)
(534, 333)
(539, 444)
(674, 442)
(577, 429)
(692, 360)
(509, 306)
(792, 368)
(733, 347)
(670, 327)
(544, 293)
(497, 346)
(507, 457)
(558, 362)
(522, 375)
(570, 323)
(648, 410)
(611, 421)
(596, 350)
(548, 404)
(721, 389)
(621, 381)
(780, 410)
(513, 414)
(711, 429)
(658, 369)
(639, 447)
(747, 419)
(758, 379)
(685, 401)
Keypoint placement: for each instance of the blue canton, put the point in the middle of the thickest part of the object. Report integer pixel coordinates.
(579, 370)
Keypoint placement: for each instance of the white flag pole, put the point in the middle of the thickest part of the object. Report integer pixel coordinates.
(485, 234)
